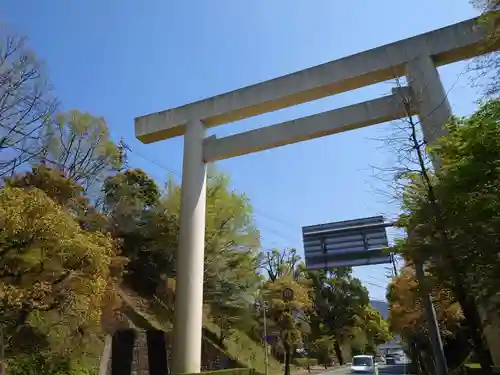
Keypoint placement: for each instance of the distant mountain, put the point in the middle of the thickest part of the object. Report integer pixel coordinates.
(382, 307)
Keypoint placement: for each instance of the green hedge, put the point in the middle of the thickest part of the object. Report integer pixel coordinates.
(303, 362)
(231, 371)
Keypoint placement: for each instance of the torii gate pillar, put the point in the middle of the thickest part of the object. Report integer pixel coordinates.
(188, 318)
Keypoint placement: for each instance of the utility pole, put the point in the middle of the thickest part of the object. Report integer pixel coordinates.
(430, 314)
(2, 351)
(265, 338)
(394, 268)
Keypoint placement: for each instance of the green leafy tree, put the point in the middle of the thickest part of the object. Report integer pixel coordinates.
(440, 235)
(227, 307)
(375, 328)
(471, 182)
(230, 300)
(79, 145)
(278, 263)
(146, 231)
(232, 242)
(323, 348)
(145, 221)
(339, 302)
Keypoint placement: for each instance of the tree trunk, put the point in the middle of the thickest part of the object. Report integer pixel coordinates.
(222, 333)
(221, 340)
(338, 352)
(416, 366)
(288, 358)
(222, 336)
(427, 362)
(475, 329)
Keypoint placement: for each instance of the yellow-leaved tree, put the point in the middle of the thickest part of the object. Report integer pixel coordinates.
(288, 317)
(53, 278)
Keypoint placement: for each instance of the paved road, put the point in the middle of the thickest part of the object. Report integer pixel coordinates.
(382, 370)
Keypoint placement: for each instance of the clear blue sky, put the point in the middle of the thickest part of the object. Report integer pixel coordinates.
(123, 58)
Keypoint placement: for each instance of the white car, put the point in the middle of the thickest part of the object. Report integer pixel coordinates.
(363, 364)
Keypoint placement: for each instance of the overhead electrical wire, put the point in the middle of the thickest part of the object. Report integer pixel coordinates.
(284, 235)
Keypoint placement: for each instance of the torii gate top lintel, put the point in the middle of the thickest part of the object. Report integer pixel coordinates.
(446, 45)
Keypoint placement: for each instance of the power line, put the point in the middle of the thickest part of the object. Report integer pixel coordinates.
(277, 219)
(287, 236)
(376, 279)
(152, 161)
(373, 284)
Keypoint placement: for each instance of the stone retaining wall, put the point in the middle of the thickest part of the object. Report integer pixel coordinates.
(212, 357)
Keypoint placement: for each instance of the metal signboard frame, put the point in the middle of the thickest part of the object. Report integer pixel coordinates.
(349, 243)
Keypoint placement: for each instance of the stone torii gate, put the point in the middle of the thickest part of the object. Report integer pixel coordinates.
(416, 58)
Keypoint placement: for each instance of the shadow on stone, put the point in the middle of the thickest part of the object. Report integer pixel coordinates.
(157, 353)
(121, 352)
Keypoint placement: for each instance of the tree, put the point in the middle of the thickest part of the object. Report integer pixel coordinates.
(232, 295)
(429, 241)
(231, 249)
(458, 248)
(487, 66)
(230, 232)
(339, 302)
(470, 181)
(54, 277)
(374, 327)
(65, 192)
(145, 221)
(227, 307)
(127, 196)
(286, 267)
(146, 231)
(406, 318)
(26, 102)
(405, 306)
(132, 187)
(278, 264)
(79, 145)
(323, 348)
(288, 316)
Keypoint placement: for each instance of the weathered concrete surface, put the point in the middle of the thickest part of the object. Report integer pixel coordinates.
(356, 116)
(106, 356)
(446, 45)
(429, 98)
(188, 313)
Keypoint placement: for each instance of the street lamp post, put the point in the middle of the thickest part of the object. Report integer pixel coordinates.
(262, 305)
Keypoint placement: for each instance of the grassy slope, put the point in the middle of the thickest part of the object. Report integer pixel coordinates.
(246, 351)
(239, 346)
